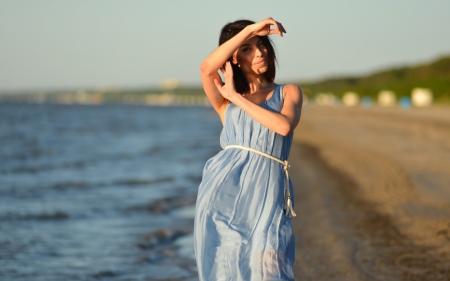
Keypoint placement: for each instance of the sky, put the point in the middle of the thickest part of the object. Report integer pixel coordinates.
(85, 44)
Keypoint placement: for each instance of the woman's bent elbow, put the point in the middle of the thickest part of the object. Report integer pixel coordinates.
(286, 130)
(205, 69)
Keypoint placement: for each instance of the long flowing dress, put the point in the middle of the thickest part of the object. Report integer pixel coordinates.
(241, 232)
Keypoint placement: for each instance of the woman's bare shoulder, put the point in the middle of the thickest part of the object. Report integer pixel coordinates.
(293, 92)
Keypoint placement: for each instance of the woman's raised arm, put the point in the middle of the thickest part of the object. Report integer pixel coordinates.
(211, 65)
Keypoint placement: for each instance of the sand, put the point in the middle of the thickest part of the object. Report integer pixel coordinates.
(372, 193)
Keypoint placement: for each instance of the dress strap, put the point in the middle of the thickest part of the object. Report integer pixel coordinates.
(281, 92)
(287, 194)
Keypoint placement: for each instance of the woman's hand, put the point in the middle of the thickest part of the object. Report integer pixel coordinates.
(262, 28)
(228, 91)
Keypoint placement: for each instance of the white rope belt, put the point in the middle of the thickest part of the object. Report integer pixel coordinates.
(287, 194)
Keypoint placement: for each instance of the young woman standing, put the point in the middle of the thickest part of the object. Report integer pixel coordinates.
(244, 207)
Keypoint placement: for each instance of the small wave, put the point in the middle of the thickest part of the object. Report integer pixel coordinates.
(42, 152)
(143, 181)
(194, 178)
(104, 274)
(58, 215)
(165, 205)
(185, 244)
(127, 182)
(28, 169)
(71, 185)
(161, 237)
(87, 130)
(170, 246)
(152, 151)
(45, 167)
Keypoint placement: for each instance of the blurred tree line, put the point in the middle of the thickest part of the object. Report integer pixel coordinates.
(435, 76)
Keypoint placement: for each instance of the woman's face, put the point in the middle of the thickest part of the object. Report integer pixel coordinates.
(251, 57)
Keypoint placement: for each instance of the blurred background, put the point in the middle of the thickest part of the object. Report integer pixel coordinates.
(105, 129)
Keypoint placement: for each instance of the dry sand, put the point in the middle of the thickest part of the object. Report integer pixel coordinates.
(372, 193)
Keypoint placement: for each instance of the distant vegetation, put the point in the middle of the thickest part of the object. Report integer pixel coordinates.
(401, 81)
(435, 76)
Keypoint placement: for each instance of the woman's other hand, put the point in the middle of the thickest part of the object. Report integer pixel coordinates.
(262, 28)
(228, 91)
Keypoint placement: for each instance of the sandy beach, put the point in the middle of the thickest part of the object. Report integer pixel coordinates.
(372, 193)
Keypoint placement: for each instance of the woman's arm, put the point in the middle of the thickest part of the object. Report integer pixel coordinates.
(210, 66)
(282, 123)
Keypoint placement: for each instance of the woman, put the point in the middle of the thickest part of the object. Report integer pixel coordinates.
(243, 212)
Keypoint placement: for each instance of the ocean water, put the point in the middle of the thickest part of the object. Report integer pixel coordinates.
(101, 192)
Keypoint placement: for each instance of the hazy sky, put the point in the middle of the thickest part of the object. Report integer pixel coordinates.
(87, 44)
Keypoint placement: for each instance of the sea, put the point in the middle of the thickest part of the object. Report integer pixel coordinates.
(103, 192)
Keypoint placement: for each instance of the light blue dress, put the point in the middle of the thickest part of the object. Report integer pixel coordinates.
(241, 232)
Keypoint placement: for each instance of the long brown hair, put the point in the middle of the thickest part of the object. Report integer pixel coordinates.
(229, 31)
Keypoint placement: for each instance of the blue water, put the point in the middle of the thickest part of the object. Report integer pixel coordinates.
(101, 192)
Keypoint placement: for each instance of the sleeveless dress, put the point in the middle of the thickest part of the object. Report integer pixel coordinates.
(241, 232)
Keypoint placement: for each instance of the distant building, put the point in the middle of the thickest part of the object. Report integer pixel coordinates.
(326, 99)
(366, 101)
(421, 97)
(405, 102)
(350, 99)
(387, 98)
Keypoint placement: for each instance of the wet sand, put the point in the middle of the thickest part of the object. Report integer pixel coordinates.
(372, 194)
